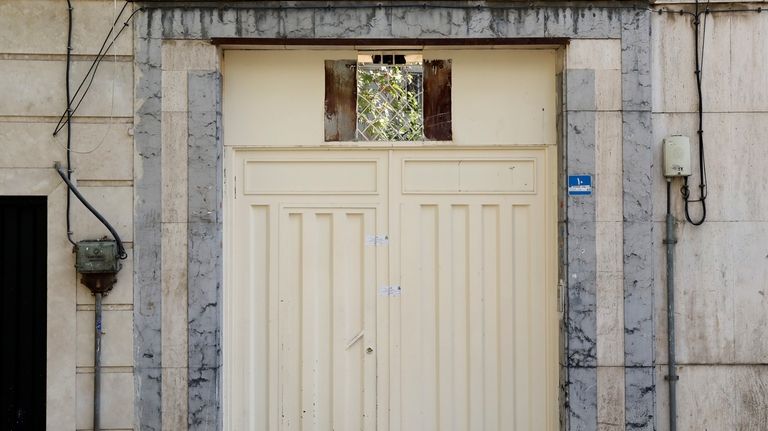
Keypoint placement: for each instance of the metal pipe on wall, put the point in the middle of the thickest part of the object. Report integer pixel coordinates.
(97, 364)
(672, 376)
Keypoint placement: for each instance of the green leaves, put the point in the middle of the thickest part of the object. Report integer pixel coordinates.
(389, 103)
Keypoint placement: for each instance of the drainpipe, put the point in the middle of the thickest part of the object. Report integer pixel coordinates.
(672, 376)
(97, 365)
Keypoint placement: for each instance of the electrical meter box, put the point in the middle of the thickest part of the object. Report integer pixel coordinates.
(97, 256)
(677, 156)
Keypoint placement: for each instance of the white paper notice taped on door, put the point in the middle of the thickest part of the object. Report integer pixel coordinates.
(389, 291)
(377, 240)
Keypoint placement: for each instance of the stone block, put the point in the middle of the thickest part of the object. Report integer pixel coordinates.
(608, 90)
(708, 280)
(37, 88)
(635, 60)
(40, 27)
(31, 145)
(175, 399)
(116, 341)
(204, 399)
(582, 393)
(174, 91)
(735, 157)
(674, 63)
(100, 151)
(28, 181)
(174, 167)
(609, 246)
(638, 294)
(608, 197)
(637, 162)
(174, 301)
(116, 401)
(580, 89)
(61, 321)
(747, 269)
(204, 294)
(640, 397)
(610, 399)
(608, 143)
(751, 398)
(594, 54)
(749, 63)
(114, 203)
(184, 55)
(610, 319)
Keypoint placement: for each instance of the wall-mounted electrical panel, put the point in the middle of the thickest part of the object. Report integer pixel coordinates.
(677, 156)
(97, 256)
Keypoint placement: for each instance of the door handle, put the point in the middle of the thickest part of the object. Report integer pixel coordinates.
(355, 339)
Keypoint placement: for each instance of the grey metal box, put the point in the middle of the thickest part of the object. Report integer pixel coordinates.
(97, 256)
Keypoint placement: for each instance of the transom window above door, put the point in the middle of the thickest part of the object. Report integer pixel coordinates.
(384, 96)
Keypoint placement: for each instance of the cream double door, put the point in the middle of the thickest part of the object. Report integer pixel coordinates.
(390, 290)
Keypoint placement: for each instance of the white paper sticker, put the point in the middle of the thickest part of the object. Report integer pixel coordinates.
(377, 240)
(389, 291)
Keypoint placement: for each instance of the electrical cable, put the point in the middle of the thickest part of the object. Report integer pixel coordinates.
(79, 87)
(91, 73)
(121, 253)
(69, 126)
(699, 59)
(67, 176)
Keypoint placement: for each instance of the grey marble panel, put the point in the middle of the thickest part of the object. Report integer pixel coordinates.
(640, 389)
(636, 60)
(582, 22)
(582, 399)
(205, 249)
(204, 384)
(640, 401)
(580, 160)
(192, 21)
(580, 89)
(147, 229)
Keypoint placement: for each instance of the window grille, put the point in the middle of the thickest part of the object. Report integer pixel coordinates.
(390, 98)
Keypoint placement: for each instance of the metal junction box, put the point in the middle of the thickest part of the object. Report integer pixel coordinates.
(677, 156)
(94, 256)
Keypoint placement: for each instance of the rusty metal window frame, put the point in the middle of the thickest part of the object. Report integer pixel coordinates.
(432, 98)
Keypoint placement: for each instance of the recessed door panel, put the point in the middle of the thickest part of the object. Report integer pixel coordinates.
(418, 299)
(326, 318)
(470, 333)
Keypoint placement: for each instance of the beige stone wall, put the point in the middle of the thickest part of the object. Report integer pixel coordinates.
(722, 291)
(32, 67)
(721, 272)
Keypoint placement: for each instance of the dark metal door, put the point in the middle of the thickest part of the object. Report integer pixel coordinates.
(23, 251)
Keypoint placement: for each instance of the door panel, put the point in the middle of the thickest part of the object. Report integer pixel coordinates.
(454, 305)
(469, 332)
(302, 298)
(326, 318)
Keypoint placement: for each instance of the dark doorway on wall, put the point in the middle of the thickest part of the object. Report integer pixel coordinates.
(23, 251)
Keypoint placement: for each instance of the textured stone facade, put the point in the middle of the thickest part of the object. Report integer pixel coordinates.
(149, 154)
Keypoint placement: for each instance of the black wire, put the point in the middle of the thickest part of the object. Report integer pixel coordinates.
(69, 126)
(98, 61)
(120, 248)
(699, 58)
(101, 49)
(91, 73)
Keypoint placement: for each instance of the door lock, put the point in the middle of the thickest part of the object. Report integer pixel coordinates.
(369, 350)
